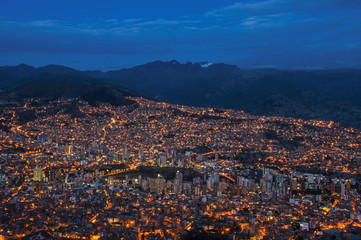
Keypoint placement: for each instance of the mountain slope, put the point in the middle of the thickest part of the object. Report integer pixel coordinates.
(53, 82)
(310, 94)
(307, 95)
(10, 76)
(163, 78)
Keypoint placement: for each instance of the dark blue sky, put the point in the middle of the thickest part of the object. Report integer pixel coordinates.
(111, 34)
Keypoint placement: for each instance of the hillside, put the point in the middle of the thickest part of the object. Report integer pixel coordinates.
(329, 94)
(53, 82)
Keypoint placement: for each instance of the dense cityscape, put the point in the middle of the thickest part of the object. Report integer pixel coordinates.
(153, 170)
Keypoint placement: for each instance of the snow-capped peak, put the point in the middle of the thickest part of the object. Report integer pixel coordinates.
(206, 64)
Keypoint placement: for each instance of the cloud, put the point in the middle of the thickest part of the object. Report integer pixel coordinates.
(158, 22)
(115, 27)
(233, 19)
(267, 7)
(132, 20)
(244, 6)
(271, 30)
(273, 20)
(45, 23)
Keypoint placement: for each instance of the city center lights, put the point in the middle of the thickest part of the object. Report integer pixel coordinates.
(154, 170)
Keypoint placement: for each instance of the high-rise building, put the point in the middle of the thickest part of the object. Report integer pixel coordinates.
(140, 180)
(161, 184)
(343, 189)
(169, 186)
(187, 188)
(222, 185)
(152, 185)
(141, 153)
(176, 187)
(125, 152)
(173, 152)
(38, 174)
(294, 184)
(179, 176)
(144, 185)
(240, 181)
(311, 178)
(197, 191)
(162, 159)
(70, 149)
(180, 163)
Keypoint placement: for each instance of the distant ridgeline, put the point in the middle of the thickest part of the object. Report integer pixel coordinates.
(323, 94)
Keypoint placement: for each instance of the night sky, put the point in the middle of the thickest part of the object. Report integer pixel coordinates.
(112, 34)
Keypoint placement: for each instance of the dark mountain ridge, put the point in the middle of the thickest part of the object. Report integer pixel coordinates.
(53, 82)
(329, 94)
(169, 76)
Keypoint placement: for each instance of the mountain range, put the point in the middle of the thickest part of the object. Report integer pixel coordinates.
(53, 81)
(323, 94)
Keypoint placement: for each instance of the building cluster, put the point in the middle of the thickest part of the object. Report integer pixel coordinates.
(160, 171)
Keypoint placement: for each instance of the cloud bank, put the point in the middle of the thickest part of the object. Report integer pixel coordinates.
(286, 33)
